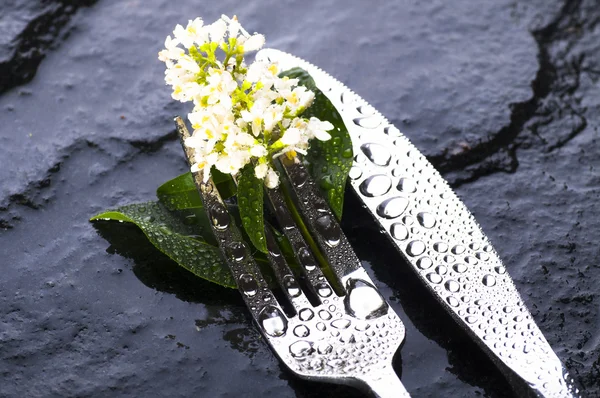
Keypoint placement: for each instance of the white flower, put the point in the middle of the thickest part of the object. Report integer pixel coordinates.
(318, 129)
(253, 43)
(291, 137)
(217, 30)
(242, 114)
(219, 88)
(171, 52)
(298, 98)
(272, 179)
(194, 33)
(254, 116)
(261, 170)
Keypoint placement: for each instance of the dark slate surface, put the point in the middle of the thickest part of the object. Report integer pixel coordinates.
(502, 95)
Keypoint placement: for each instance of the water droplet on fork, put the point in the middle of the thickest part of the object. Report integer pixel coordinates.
(248, 285)
(291, 285)
(306, 259)
(306, 314)
(219, 216)
(301, 331)
(329, 230)
(272, 321)
(324, 315)
(363, 301)
(324, 290)
(301, 349)
(341, 324)
(237, 251)
(299, 177)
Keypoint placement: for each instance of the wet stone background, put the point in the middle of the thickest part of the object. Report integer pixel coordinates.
(501, 95)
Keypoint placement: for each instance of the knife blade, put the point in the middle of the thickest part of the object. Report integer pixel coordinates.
(441, 241)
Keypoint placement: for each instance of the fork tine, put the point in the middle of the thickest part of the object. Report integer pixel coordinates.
(321, 222)
(284, 275)
(318, 284)
(255, 291)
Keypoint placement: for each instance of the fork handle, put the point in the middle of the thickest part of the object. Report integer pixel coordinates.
(386, 384)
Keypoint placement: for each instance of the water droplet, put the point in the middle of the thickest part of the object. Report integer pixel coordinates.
(321, 326)
(452, 301)
(248, 285)
(482, 256)
(449, 259)
(460, 268)
(306, 259)
(219, 216)
(237, 251)
(355, 173)
(434, 278)
(341, 324)
(458, 249)
(471, 319)
(363, 301)
(301, 331)
(291, 285)
(324, 290)
(376, 185)
(452, 286)
(407, 185)
(301, 349)
(299, 176)
(500, 270)
(424, 263)
(272, 321)
(489, 280)
(376, 153)
(392, 208)
(329, 230)
(324, 348)
(324, 315)
(415, 248)
(470, 260)
(392, 131)
(474, 246)
(399, 231)
(306, 314)
(427, 220)
(441, 269)
(440, 247)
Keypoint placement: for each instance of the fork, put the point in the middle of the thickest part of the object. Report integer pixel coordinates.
(349, 339)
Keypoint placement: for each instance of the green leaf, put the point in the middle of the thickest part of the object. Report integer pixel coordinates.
(181, 192)
(250, 202)
(176, 237)
(329, 161)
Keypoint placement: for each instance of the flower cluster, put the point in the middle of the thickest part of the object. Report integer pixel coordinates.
(242, 114)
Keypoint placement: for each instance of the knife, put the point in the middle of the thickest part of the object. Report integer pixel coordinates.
(441, 241)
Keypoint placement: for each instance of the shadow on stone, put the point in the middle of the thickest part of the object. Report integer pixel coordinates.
(158, 271)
